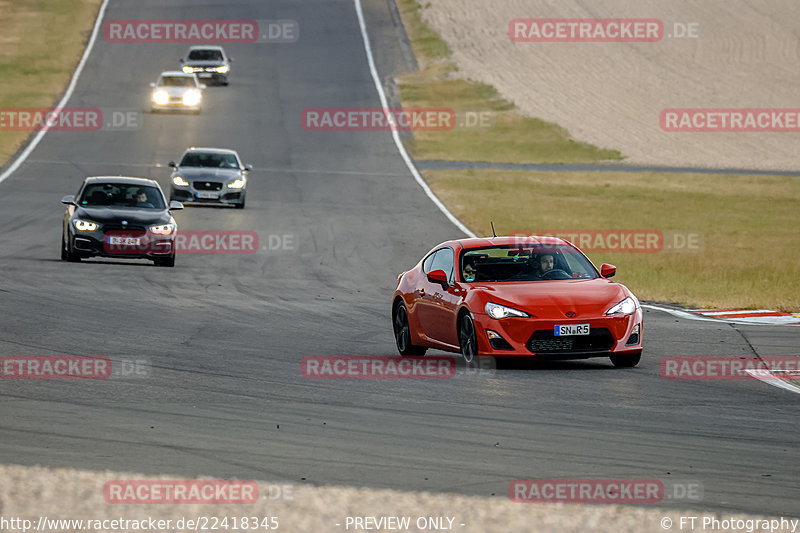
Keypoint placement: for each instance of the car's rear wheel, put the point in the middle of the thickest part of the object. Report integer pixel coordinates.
(402, 332)
(625, 361)
(165, 262)
(467, 339)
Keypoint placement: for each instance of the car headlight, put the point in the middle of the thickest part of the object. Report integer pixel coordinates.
(625, 307)
(223, 69)
(180, 182)
(160, 96)
(162, 229)
(85, 225)
(191, 97)
(238, 183)
(501, 311)
(187, 69)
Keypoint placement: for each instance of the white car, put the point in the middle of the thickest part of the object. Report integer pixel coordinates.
(176, 90)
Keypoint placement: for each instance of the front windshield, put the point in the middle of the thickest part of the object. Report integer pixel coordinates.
(121, 195)
(205, 55)
(206, 159)
(176, 81)
(526, 262)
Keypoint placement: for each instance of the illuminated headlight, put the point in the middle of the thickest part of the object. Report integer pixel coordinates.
(180, 182)
(501, 311)
(85, 225)
(163, 229)
(238, 183)
(160, 96)
(222, 70)
(187, 69)
(625, 307)
(191, 97)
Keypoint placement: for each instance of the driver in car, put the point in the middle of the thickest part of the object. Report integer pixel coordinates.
(546, 264)
(142, 200)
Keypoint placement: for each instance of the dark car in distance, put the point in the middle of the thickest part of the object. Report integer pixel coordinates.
(208, 63)
(122, 217)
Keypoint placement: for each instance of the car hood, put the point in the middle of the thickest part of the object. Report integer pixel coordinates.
(208, 173)
(553, 299)
(206, 63)
(175, 91)
(111, 215)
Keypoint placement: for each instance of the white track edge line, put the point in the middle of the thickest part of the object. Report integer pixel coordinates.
(384, 104)
(772, 380)
(693, 316)
(67, 95)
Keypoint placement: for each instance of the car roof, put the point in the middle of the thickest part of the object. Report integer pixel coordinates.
(128, 180)
(178, 73)
(480, 242)
(210, 150)
(202, 47)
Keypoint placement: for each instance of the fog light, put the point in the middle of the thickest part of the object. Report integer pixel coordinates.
(496, 341)
(634, 338)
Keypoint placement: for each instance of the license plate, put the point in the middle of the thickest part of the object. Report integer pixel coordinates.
(124, 241)
(208, 195)
(572, 329)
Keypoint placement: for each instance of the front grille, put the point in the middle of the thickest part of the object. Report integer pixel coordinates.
(207, 185)
(133, 229)
(545, 341)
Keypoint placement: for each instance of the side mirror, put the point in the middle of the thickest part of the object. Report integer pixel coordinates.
(248, 167)
(181, 60)
(608, 271)
(438, 276)
(230, 60)
(68, 199)
(175, 205)
(152, 84)
(172, 164)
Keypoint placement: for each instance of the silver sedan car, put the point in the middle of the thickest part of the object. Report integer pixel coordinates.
(209, 176)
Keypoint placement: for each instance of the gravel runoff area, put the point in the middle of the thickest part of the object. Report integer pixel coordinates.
(34, 492)
(611, 94)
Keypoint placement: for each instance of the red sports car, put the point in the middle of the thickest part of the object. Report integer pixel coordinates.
(538, 297)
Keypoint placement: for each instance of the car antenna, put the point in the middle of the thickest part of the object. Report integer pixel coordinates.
(493, 233)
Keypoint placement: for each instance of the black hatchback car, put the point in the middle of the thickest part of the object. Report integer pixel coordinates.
(115, 216)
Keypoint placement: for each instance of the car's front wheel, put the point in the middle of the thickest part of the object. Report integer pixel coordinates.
(625, 361)
(402, 332)
(66, 254)
(467, 338)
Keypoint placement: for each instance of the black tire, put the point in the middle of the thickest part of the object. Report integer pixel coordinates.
(166, 262)
(467, 339)
(625, 361)
(66, 254)
(241, 205)
(402, 332)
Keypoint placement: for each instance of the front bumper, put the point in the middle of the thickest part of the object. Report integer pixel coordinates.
(534, 337)
(212, 195)
(98, 244)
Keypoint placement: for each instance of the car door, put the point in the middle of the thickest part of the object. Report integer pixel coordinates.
(442, 300)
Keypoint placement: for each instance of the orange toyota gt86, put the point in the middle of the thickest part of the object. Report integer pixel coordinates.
(537, 297)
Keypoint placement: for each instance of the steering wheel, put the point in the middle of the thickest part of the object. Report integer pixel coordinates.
(556, 273)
